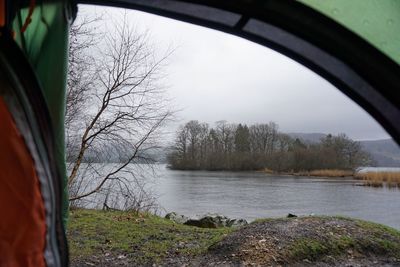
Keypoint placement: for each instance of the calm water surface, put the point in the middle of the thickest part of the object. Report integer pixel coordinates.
(252, 195)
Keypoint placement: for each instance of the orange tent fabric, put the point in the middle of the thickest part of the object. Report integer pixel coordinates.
(22, 212)
(2, 13)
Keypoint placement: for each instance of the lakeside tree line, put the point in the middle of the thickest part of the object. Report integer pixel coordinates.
(237, 147)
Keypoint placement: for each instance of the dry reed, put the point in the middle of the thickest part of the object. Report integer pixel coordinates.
(326, 173)
(332, 173)
(380, 179)
(268, 171)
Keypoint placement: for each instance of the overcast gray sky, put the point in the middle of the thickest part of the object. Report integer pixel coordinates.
(214, 76)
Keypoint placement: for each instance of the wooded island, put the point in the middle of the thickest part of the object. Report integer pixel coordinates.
(239, 147)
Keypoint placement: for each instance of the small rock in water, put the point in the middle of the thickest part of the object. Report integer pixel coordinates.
(290, 215)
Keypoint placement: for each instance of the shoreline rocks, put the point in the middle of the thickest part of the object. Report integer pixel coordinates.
(175, 217)
(206, 221)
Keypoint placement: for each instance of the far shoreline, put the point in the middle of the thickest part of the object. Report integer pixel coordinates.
(314, 173)
(389, 179)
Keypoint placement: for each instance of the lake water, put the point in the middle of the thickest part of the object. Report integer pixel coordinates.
(253, 195)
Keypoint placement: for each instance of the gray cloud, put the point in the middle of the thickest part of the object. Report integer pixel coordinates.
(214, 76)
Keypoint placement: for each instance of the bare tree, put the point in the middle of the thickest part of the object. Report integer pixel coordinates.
(226, 133)
(80, 76)
(117, 108)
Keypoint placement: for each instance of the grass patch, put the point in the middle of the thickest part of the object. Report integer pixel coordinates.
(377, 229)
(142, 238)
(383, 239)
(362, 237)
(307, 249)
(313, 249)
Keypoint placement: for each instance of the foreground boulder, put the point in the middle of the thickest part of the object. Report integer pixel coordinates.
(209, 221)
(206, 221)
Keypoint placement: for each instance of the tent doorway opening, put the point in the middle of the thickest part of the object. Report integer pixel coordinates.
(242, 109)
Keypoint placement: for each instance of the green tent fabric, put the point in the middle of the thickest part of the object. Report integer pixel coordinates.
(45, 44)
(377, 21)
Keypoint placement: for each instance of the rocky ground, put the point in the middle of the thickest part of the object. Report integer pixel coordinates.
(307, 241)
(304, 241)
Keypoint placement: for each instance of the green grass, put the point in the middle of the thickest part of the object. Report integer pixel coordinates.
(382, 238)
(370, 237)
(378, 229)
(144, 238)
(359, 236)
(313, 249)
(307, 249)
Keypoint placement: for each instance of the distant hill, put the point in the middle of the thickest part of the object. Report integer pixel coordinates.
(385, 152)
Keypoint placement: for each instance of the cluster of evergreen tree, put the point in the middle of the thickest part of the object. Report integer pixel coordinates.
(240, 147)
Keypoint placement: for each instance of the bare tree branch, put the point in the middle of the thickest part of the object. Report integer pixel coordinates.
(117, 109)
